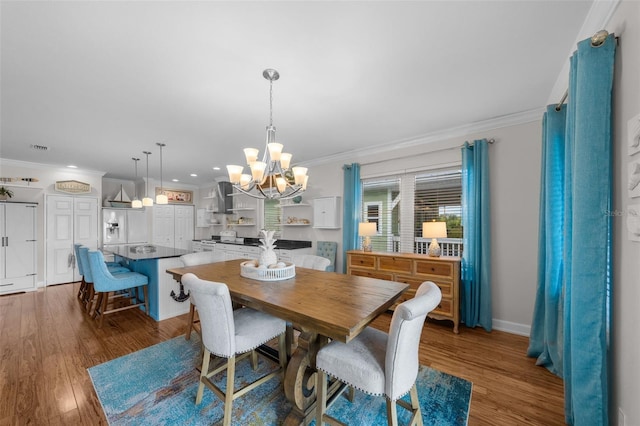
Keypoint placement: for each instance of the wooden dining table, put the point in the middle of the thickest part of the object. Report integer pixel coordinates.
(323, 305)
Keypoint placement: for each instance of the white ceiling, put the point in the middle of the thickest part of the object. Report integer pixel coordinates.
(99, 82)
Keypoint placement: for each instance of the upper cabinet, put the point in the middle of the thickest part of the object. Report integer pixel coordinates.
(326, 213)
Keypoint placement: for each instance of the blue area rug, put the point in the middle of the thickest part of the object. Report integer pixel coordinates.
(157, 386)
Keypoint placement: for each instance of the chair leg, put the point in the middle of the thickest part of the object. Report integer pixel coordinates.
(254, 360)
(203, 372)
(415, 404)
(103, 309)
(82, 289)
(145, 293)
(98, 304)
(192, 313)
(321, 396)
(392, 413)
(229, 394)
(89, 295)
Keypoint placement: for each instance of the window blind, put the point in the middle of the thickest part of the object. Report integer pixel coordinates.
(438, 196)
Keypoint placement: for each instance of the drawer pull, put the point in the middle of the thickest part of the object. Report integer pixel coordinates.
(6, 285)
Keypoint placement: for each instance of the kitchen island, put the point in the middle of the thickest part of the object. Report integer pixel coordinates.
(153, 261)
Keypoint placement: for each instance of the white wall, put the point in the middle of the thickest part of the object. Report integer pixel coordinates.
(47, 177)
(515, 182)
(626, 274)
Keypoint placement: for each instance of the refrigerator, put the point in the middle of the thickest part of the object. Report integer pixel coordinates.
(124, 226)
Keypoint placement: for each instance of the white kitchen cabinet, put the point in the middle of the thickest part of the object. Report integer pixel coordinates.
(235, 251)
(285, 255)
(184, 230)
(18, 270)
(173, 226)
(326, 212)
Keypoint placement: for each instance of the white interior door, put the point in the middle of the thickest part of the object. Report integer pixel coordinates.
(21, 240)
(70, 220)
(3, 249)
(60, 266)
(85, 226)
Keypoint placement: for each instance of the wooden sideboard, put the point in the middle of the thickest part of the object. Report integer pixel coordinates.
(414, 269)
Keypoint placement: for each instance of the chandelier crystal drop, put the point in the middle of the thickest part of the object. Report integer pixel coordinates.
(272, 177)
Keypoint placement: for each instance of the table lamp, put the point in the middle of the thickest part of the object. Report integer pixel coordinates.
(367, 230)
(434, 230)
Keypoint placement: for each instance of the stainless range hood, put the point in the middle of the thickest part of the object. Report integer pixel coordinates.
(224, 199)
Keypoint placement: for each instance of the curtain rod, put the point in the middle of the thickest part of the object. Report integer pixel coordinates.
(596, 40)
(489, 141)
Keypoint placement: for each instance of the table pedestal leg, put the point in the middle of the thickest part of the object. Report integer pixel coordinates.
(300, 378)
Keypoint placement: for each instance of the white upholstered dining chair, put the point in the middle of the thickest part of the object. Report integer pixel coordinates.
(231, 334)
(311, 261)
(378, 363)
(193, 259)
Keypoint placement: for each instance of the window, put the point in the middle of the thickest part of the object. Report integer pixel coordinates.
(399, 205)
(381, 204)
(272, 215)
(372, 213)
(438, 196)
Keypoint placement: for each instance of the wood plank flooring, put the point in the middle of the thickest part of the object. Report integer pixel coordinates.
(47, 343)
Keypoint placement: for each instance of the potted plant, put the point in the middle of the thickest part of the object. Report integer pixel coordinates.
(5, 193)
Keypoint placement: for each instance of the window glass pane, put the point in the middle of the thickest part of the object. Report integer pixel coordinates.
(438, 196)
(381, 205)
(272, 216)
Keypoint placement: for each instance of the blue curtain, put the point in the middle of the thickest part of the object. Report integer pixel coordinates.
(570, 329)
(475, 280)
(546, 338)
(352, 209)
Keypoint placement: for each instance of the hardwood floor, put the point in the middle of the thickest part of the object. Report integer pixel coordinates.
(47, 343)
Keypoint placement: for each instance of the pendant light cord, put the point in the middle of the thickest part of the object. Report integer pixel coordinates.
(146, 188)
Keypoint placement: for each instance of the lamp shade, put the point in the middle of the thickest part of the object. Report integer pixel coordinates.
(434, 230)
(367, 229)
(162, 199)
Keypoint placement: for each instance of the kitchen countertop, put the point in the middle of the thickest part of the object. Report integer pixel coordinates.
(144, 251)
(255, 242)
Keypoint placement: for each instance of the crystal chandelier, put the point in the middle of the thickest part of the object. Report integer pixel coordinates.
(270, 178)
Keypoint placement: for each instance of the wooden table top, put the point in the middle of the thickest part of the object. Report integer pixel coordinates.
(335, 305)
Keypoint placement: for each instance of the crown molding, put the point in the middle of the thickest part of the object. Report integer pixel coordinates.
(441, 135)
(40, 166)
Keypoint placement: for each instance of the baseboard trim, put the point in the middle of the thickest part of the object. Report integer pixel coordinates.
(511, 327)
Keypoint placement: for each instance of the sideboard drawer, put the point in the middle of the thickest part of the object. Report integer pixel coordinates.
(361, 261)
(444, 308)
(427, 267)
(372, 274)
(413, 269)
(396, 264)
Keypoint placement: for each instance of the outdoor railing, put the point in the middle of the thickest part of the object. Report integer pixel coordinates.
(448, 246)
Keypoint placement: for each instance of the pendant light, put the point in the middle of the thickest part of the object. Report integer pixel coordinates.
(147, 201)
(136, 203)
(161, 198)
